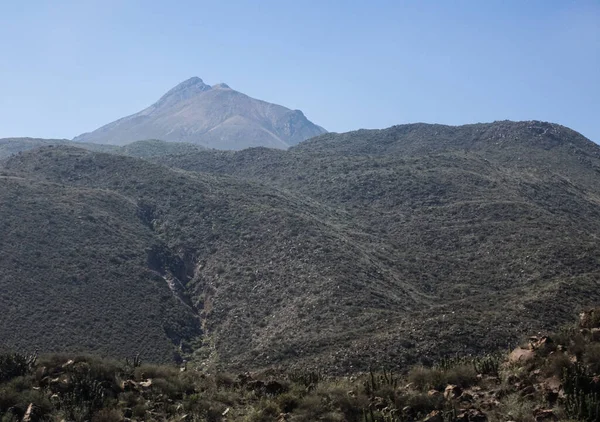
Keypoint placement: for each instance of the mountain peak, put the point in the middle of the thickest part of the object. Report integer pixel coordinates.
(212, 116)
(186, 89)
(192, 82)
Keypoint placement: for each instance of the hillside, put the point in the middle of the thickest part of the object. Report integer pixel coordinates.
(212, 116)
(235, 246)
(143, 149)
(12, 146)
(354, 250)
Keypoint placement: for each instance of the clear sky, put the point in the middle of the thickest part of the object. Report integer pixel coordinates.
(70, 66)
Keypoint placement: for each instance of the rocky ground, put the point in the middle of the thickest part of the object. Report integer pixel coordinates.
(550, 378)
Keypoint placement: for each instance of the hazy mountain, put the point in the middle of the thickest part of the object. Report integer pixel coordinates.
(142, 149)
(350, 250)
(11, 146)
(213, 116)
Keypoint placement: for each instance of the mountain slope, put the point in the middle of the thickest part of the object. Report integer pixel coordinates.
(477, 217)
(262, 268)
(76, 275)
(363, 249)
(215, 117)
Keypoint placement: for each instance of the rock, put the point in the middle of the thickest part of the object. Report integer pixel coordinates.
(433, 393)
(544, 415)
(471, 415)
(129, 385)
(528, 390)
(521, 355)
(466, 397)
(544, 344)
(408, 412)
(28, 413)
(490, 404)
(145, 384)
(452, 392)
(435, 416)
(589, 319)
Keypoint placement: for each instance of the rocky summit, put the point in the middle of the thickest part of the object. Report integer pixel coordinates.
(212, 116)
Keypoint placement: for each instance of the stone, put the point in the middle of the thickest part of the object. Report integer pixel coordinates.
(28, 413)
(544, 415)
(521, 355)
(471, 415)
(145, 384)
(435, 416)
(452, 392)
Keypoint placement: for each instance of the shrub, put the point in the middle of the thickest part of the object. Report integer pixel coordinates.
(426, 378)
(108, 415)
(516, 408)
(582, 394)
(592, 357)
(556, 364)
(15, 365)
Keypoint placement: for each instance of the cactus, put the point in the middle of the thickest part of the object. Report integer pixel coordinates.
(307, 378)
(135, 362)
(487, 365)
(582, 394)
(375, 382)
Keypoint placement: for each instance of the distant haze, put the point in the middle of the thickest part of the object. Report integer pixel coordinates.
(212, 116)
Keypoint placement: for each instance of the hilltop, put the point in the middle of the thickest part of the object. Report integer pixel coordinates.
(212, 116)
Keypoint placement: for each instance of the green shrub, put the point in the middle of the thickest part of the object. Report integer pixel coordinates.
(582, 394)
(592, 357)
(556, 364)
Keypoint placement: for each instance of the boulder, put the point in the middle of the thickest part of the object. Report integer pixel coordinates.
(452, 392)
(521, 355)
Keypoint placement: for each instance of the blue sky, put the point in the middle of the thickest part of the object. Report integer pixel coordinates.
(67, 67)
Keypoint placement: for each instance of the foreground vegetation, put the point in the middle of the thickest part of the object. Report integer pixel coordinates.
(551, 378)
